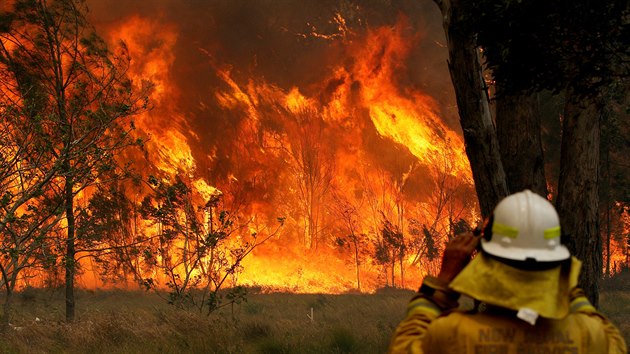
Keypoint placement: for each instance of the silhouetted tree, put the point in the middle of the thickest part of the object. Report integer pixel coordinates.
(79, 90)
(578, 50)
(312, 165)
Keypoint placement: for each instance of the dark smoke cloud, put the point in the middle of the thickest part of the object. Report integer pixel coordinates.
(270, 39)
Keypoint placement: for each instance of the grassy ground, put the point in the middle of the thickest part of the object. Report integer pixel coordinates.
(138, 322)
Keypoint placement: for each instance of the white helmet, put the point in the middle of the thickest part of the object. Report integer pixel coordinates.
(525, 227)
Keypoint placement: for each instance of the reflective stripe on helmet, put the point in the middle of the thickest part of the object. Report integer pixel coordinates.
(504, 230)
(552, 233)
(527, 226)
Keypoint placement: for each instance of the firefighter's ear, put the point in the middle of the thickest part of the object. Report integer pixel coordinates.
(487, 228)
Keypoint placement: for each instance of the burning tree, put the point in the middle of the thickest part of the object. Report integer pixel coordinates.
(79, 92)
(288, 144)
(200, 247)
(312, 165)
(390, 248)
(385, 199)
(353, 235)
(425, 243)
(108, 232)
(615, 184)
(444, 215)
(449, 203)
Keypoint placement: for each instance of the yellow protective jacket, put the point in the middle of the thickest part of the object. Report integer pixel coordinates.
(427, 329)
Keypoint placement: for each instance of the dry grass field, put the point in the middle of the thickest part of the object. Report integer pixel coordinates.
(139, 322)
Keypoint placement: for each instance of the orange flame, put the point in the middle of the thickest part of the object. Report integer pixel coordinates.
(333, 129)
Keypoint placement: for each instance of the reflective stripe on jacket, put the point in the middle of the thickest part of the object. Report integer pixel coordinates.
(427, 330)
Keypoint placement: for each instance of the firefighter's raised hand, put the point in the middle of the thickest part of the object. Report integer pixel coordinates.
(457, 254)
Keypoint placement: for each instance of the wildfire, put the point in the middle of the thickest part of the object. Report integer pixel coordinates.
(620, 241)
(353, 97)
(335, 158)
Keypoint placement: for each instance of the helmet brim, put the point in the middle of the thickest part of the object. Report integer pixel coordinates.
(558, 253)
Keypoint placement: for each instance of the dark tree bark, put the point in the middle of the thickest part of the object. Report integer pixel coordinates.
(518, 132)
(6, 309)
(605, 195)
(70, 257)
(578, 198)
(480, 138)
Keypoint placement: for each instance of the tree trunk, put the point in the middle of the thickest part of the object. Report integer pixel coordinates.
(357, 263)
(578, 198)
(6, 308)
(482, 147)
(608, 274)
(393, 268)
(70, 250)
(402, 269)
(605, 192)
(518, 132)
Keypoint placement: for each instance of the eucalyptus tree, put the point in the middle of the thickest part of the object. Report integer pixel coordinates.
(80, 91)
(473, 103)
(578, 50)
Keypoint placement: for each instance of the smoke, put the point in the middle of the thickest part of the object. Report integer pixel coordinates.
(288, 43)
(252, 95)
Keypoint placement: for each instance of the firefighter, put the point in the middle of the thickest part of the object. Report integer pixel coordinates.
(525, 282)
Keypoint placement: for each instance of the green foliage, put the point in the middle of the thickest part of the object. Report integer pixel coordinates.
(65, 129)
(381, 253)
(6, 198)
(224, 297)
(107, 211)
(341, 242)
